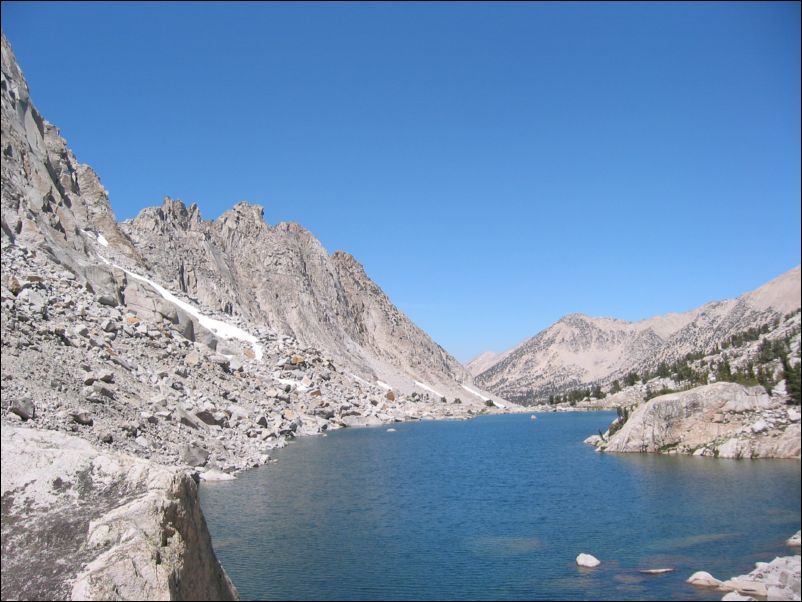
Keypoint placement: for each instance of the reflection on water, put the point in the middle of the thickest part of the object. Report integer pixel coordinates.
(494, 508)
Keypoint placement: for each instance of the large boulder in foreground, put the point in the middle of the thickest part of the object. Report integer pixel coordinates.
(79, 523)
(724, 419)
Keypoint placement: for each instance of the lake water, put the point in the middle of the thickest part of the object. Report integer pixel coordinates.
(494, 508)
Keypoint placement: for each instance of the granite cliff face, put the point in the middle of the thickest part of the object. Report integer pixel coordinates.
(49, 199)
(139, 358)
(281, 277)
(581, 350)
(726, 420)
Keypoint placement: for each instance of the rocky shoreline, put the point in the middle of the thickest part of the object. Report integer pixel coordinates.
(111, 431)
(84, 524)
(128, 379)
(724, 420)
(127, 527)
(779, 579)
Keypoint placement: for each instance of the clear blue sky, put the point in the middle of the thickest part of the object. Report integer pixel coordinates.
(494, 166)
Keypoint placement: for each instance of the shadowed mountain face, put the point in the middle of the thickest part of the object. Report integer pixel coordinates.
(579, 349)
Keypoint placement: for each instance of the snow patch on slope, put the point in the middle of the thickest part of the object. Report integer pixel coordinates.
(498, 404)
(474, 392)
(428, 388)
(218, 327)
(98, 237)
(356, 378)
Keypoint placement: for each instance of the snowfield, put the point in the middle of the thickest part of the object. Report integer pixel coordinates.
(218, 327)
(428, 388)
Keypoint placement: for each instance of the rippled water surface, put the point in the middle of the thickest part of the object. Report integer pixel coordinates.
(493, 508)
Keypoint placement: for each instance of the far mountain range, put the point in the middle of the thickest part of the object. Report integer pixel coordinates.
(580, 350)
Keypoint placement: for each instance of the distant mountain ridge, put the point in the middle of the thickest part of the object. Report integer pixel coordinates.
(579, 350)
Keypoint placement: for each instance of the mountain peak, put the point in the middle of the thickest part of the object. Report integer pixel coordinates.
(781, 294)
(243, 213)
(177, 208)
(346, 259)
(575, 318)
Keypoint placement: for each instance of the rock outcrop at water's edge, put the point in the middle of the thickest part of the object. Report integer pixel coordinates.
(775, 580)
(83, 524)
(725, 420)
(779, 579)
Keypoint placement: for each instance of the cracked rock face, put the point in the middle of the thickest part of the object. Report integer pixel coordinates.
(726, 420)
(83, 524)
(282, 277)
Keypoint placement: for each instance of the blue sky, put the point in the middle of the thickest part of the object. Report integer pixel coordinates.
(494, 166)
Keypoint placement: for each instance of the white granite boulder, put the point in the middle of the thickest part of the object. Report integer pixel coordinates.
(587, 560)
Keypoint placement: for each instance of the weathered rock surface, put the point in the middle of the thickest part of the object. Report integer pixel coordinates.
(83, 524)
(726, 420)
(776, 580)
